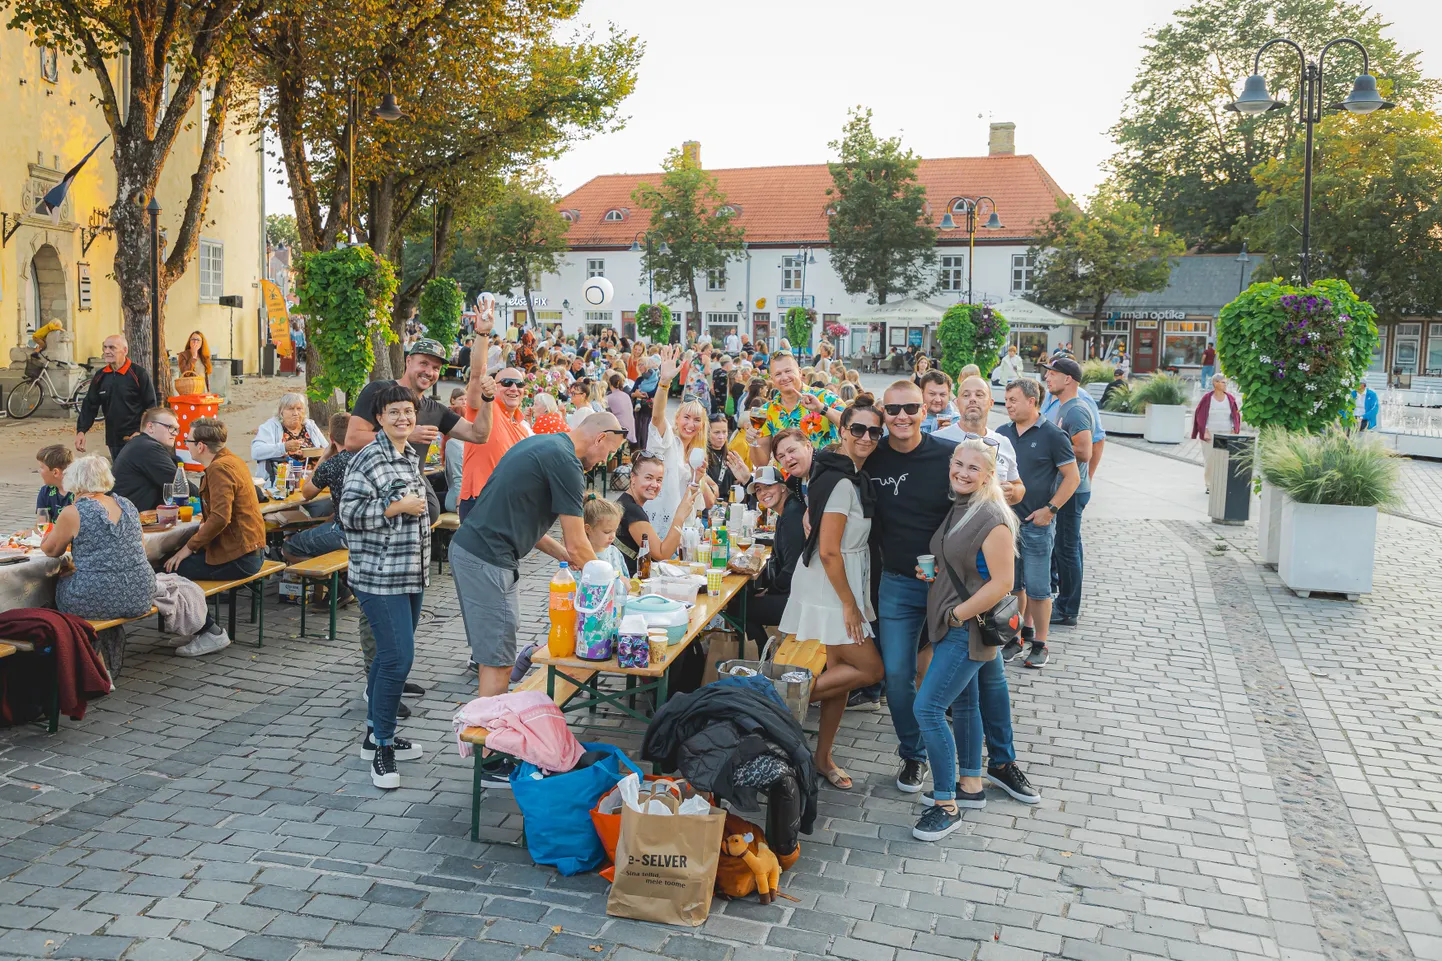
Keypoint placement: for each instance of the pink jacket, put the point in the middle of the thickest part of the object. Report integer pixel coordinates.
(523, 724)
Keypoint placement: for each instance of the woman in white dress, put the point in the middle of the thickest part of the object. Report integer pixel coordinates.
(673, 442)
(831, 589)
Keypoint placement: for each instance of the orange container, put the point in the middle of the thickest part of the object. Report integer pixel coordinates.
(192, 407)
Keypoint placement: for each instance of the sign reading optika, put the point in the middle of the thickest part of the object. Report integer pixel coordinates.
(1148, 315)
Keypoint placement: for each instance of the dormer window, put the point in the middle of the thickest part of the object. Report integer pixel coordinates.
(614, 215)
(831, 211)
(568, 216)
(728, 210)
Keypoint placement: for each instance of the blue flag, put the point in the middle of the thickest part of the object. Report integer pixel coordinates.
(55, 196)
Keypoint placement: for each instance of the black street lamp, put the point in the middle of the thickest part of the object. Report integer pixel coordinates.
(153, 209)
(992, 223)
(663, 250)
(387, 110)
(1255, 100)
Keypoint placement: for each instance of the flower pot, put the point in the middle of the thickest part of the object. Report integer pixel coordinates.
(1269, 524)
(1124, 425)
(1327, 548)
(1166, 424)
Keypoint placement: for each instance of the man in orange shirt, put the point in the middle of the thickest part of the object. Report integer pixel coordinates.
(507, 428)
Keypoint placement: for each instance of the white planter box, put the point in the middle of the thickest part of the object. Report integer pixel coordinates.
(1269, 524)
(1410, 445)
(1124, 425)
(1327, 548)
(1166, 424)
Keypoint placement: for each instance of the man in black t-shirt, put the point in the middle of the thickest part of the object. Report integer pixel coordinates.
(910, 472)
(1048, 469)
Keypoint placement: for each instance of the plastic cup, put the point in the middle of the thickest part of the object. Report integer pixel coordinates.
(927, 563)
(703, 555)
(713, 581)
(186, 513)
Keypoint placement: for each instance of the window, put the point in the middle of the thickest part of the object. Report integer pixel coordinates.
(164, 94)
(595, 267)
(728, 210)
(207, 100)
(1183, 342)
(953, 272)
(1406, 346)
(570, 216)
(1434, 349)
(791, 273)
(721, 324)
(599, 317)
(615, 215)
(548, 317)
(831, 211)
(212, 271)
(628, 324)
(716, 279)
(50, 64)
(1379, 352)
(1023, 269)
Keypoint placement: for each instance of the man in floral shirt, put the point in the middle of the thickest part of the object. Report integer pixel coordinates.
(816, 411)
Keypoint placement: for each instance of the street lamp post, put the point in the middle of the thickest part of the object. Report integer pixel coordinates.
(1255, 100)
(636, 248)
(992, 223)
(153, 209)
(1245, 261)
(387, 110)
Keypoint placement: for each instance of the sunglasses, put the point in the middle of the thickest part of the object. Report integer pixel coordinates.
(511, 382)
(618, 433)
(893, 409)
(861, 430)
(988, 441)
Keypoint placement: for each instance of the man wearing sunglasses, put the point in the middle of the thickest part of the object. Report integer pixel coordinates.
(502, 410)
(910, 471)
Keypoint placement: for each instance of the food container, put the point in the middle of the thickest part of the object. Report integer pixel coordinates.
(677, 588)
(662, 613)
(166, 514)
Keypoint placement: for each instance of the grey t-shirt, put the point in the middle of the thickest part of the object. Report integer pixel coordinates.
(536, 481)
(1074, 418)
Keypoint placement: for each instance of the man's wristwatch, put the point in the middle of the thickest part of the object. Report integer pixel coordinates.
(1053, 508)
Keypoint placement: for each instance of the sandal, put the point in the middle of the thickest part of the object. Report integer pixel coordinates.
(839, 779)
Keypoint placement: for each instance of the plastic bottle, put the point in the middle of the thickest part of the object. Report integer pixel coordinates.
(180, 488)
(561, 641)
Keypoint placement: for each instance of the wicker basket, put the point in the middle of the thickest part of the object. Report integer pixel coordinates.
(190, 384)
(797, 695)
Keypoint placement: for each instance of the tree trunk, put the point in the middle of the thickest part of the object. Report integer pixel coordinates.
(695, 306)
(132, 275)
(530, 314)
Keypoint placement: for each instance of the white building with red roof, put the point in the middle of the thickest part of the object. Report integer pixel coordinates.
(786, 262)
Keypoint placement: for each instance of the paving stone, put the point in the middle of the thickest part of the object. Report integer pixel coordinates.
(517, 932)
(259, 947)
(492, 951)
(162, 949)
(94, 948)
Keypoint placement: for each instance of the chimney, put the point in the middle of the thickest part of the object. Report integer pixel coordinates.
(691, 150)
(1002, 140)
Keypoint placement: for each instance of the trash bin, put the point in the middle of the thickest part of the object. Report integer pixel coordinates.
(191, 407)
(1229, 478)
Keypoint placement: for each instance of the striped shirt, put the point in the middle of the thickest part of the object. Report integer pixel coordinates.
(388, 555)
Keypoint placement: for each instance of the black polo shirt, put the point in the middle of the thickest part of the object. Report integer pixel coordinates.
(1041, 452)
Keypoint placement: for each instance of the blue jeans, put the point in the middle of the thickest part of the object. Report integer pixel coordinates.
(393, 619)
(900, 614)
(1069, 555)
(318, 540)
(954, 751)
(1033, 561)
(992, 710)
(463, 507)
(1207, 373)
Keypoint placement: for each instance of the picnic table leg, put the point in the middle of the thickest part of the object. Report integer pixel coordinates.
(631, 686)
(259, 589)
(476, 795)
(304, 584)
(334, 593)
(231, 622)
(551, 681)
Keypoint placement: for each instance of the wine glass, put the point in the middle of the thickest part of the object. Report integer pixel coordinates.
(42, 520)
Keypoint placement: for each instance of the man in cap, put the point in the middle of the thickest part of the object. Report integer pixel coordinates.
(1074, 417)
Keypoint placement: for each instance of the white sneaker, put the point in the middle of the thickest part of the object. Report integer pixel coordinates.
(204, 643)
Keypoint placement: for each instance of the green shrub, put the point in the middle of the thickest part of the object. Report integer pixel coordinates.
(1167, 390)
(799, 321)
(1097, 372)
(1330, 467)
(653, 321)
(1121, 401)
(346, 296)
(440, 309)
(971, 334)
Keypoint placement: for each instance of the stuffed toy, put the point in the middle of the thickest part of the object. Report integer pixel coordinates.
(751, 850)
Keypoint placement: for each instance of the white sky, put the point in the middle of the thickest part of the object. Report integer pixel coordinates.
(763, 82)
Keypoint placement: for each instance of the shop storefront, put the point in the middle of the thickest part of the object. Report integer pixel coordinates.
(1158, 339)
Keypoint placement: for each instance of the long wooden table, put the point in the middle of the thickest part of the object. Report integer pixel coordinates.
(642, 680)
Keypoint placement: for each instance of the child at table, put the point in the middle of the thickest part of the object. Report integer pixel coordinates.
(53, 496)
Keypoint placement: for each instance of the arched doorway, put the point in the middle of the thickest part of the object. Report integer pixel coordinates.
(47, 289)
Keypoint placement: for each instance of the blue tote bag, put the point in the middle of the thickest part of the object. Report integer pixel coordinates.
(557, 810)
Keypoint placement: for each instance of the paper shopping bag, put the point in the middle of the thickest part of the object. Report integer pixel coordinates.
(666, 864)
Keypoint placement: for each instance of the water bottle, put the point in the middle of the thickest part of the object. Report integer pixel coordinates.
(180, 488)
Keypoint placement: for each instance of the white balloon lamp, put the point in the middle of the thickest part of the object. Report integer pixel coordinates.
(598, 292)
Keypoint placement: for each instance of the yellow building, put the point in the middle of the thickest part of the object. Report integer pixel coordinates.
(52, 118)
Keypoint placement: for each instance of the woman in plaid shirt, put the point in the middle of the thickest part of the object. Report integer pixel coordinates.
(382, 510)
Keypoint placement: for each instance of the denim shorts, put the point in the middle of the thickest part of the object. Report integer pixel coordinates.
(1033, 563)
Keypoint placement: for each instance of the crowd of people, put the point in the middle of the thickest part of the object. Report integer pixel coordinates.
(903, 524)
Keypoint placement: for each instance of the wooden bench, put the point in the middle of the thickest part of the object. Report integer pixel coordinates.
(255, 584)
(443, 530)
(326, 565)
(6, 649)
(565, 689)
(808, 654)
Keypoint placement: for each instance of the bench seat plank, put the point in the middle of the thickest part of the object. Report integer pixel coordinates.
(323, 565)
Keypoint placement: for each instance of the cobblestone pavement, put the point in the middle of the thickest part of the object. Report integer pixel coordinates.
(1231, 773)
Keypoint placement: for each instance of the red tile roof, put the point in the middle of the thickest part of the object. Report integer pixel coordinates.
(787, 205)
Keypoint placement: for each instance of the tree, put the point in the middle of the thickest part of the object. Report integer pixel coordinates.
(882, 241)
(280, 230)
(1084, 257)
(523, 235)
(1181, 153)
(692, 230)
(442, 302)
(1375, 218)
(175, 51)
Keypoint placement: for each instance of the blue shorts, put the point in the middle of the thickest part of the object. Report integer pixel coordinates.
(1033, 562)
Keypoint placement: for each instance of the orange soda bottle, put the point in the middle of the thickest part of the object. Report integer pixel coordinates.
(561, 641)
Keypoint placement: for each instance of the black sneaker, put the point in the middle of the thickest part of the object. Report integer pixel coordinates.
(936, 824)
(911, 777)
(413, 689)
(497, 777)
(973, 802)
(404, 750)
(1037, 657)
(402, 712)
(1012, 650)
(1009, 778)
(383, 768)
(1063, 620)
(859, 701)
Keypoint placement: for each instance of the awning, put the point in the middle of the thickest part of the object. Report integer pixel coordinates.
(1025, 313)
(902, 313)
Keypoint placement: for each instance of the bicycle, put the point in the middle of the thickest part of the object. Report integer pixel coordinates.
(27, 395)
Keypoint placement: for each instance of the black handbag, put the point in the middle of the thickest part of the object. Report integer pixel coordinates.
(998, 625)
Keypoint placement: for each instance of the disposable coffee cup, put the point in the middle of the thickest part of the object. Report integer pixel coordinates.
(927, 563)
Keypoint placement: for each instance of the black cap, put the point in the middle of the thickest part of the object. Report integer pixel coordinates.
(1065, 365)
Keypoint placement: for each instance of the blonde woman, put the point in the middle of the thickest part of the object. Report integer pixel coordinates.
(673, 443)
(975, 547)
